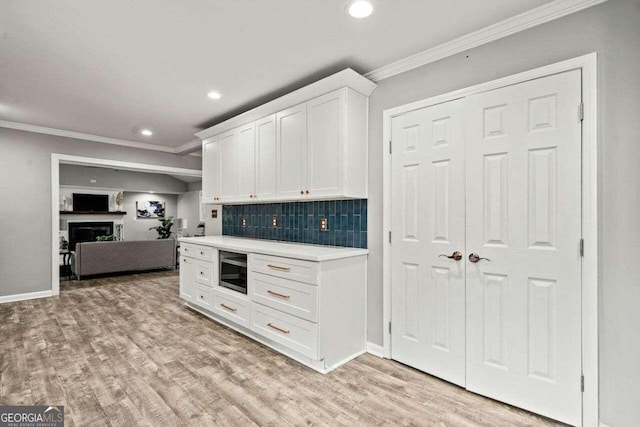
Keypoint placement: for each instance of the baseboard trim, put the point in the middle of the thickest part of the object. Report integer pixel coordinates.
(375, 349)
(24, 297)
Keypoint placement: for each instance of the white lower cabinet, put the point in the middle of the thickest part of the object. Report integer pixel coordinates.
(291, 297)
(295, 333)
(234, 308)
(187, 275)
(311, 311)
(198, 273)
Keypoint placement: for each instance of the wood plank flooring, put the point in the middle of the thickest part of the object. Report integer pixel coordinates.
(124, 351)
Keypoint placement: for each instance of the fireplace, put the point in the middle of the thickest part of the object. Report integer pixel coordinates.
(87, 232)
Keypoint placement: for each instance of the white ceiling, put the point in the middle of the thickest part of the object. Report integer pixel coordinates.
(109, 68)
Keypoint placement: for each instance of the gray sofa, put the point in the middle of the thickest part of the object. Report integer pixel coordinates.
(92, 258)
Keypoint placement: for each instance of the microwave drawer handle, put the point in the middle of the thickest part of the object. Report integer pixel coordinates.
(279, 268)
(272, 326)
(269, 291)
(228, 308)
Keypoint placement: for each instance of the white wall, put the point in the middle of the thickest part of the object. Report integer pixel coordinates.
(25, 198)
(611, 29)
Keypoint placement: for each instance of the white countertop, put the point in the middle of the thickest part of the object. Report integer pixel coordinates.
(270, 247)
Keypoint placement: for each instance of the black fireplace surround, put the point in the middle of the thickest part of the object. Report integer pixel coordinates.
(87, 232)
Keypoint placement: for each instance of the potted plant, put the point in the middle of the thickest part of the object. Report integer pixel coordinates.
(164, 229)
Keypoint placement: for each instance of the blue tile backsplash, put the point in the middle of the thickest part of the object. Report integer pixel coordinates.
(300, 222)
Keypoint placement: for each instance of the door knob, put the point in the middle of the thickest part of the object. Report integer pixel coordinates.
(474, 257)
(456, 256)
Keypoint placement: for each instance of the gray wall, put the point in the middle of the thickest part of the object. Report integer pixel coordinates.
(138, 228)
(120, 179)
(25, 198)
(189, 209)
(194, 186)
(612, 30)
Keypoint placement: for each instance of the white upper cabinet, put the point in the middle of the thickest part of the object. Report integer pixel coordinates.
(266, 153)
(229, 165)
(315, 149)
(247, 163)
(291, 134)
(211, 171)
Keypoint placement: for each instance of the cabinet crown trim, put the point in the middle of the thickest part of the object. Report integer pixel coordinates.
(345, 78)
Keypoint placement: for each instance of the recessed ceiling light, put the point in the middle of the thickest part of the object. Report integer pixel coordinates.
(360, 9)
(146, 132)
(214, 95)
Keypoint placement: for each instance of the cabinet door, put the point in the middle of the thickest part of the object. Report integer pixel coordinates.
(266, 154)
(291, 133)
(187, 274)
(325, 144)
(211, 172)
(247, 162)
(229, 170)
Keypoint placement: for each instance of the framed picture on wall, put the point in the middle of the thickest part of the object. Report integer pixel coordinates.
(150, 209)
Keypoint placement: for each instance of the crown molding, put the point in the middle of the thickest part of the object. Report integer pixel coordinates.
(183, 149)
(189, 147)
(534, 17)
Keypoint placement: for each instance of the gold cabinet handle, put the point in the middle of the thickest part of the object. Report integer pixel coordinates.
(272, 326)
(306, 191)
(277, 267)
(228, 308)
(278, 295)
(201, 253)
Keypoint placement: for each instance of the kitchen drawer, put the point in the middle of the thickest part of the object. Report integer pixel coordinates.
(203, 296)
(204, 273)
(289, 268)
(295, 333)
(231, 307)
(296, 298)
(204, 253)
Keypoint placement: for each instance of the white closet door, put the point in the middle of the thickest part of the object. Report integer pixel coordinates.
(523, 204)
(428, 307)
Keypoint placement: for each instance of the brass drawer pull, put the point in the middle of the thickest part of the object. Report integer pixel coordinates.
(228, 308)
(278, 295)
(201, 253)
(277, 267)
(284, 331)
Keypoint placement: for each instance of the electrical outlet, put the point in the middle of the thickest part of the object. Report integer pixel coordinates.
(324, 226)
(214, 213)
(274, 221)
(244, 222)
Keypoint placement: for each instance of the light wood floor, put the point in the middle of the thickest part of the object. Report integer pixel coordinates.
(124, 351)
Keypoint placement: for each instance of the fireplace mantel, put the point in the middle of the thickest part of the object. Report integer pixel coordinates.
(92, 213)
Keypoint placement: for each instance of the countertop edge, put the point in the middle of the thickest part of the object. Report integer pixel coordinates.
(344, 252)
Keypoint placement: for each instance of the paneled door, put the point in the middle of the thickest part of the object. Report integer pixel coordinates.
(523, 146)
(266, 154)
(496, 177)
(247, 162)
(428, 268)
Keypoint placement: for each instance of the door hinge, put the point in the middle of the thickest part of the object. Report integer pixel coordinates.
(581, 111)
(582, 383)
(389, 147)
(389, 237)
(582, 247)
(389, 328)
